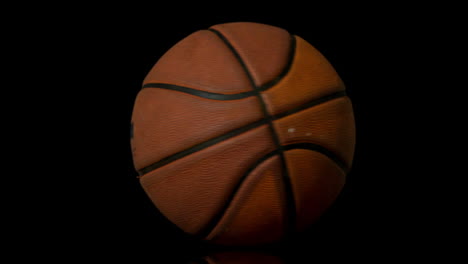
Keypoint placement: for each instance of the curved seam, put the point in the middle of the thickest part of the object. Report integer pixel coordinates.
(286, 69)
(211, 225)
(310, 104)
(201, 146)
(221, 96)
(322, 150)
(289, 196)
(306, 146)
(232, 133)
(340, 163)
(200, 93)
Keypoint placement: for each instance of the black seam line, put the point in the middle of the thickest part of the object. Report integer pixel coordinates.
(289, 196)
(201, 146)
(286, 69)
(310, 104)
(307, 146)
(237, 56)
(200, 93)
(236, 132)
(217, 217)
(225, 97)
(322, 150)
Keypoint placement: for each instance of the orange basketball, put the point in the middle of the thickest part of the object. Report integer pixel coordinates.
(242, 134)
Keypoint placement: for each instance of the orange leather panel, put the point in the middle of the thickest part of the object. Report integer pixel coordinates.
(256, 214)
(253, 42)
(166, 122)
(191, 190)
(316, 183)
(311, 77)
(201, 61)
(330, 125)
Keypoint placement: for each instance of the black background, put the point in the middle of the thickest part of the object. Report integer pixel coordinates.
(96, 201)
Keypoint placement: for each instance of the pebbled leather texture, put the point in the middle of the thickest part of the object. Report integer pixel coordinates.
(191, 190)
(316, 183)
(263, 60)
(258, 210)
(208, 192)
(330, 125)
(311, 76)
(166, 122)
(199, 61)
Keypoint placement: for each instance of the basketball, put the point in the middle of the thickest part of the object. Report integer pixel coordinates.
(242, 134)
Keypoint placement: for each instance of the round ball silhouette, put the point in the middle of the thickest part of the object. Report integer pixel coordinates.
(242, 134)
